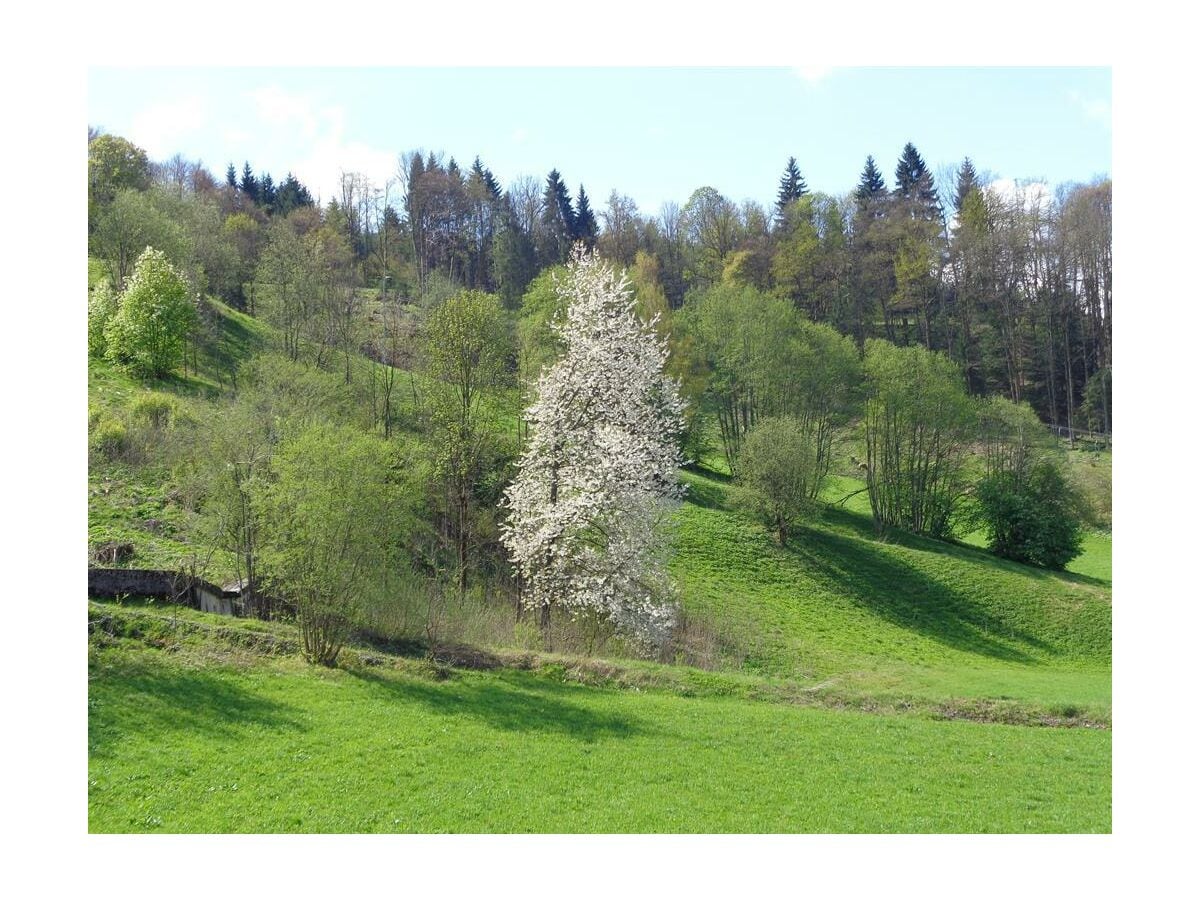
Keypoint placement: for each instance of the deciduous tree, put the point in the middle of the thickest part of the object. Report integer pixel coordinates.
(587, 508)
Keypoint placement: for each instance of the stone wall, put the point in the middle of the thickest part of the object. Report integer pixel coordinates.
(160, 584)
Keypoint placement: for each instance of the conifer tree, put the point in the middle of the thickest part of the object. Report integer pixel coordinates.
(557, 222)
(249, 183)
(914, 183)
(968, 182)
(791, 187)
(267, 192)
(231, 179)
(585, 223)
(871, 186)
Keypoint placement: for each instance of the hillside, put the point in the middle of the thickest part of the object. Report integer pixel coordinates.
(856, 619)
(911, 617)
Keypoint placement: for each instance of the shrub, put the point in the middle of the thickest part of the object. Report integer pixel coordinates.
(778, 464)
(919, 425)
(155, 409)
(102, 306)
(154, 317)
(330, 519)
(109, 438)
(1033, 518)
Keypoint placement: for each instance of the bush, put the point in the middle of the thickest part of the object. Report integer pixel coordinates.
(102, 306)
(109, 438)
(778, 463)
(919, 426)
(156, 410)
(330, 525)
(149, 331)
(1032, 519)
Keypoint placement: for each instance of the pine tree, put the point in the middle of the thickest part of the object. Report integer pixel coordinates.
(914, 183)
(514, 258)
(291, 195)
(231, 177)
(597, 480)
(267, 192)
(492, 185)
(585, 223)
(249, 183)
(968, 182)
(557, 222)
(871, 186)
(791, 187)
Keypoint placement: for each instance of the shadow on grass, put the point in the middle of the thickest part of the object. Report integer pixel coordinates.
(127, 697)
(905, 596)
(863, 526)
(500, 703)
(706, 494)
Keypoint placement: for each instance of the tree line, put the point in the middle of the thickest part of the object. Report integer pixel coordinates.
(1013, 285)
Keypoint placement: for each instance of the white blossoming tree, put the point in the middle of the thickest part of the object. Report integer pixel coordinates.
(597, 478)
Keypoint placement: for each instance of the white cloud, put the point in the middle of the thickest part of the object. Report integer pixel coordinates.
(1095, 108)
(279, 107)
(812, 74)
(1030, 193)
(158, 128)
(322, 150)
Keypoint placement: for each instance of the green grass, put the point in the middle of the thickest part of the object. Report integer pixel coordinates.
(178, 742)
(907, 617)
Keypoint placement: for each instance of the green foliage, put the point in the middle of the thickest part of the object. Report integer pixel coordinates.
(102, 308)
(154, 409)
(540, 306)
(327, 512)
(467, 354)
(108, 437)
(154, 318)
(1097, 401)
(764, 359)
(919, 425)
(114, 164)
(1032, 518)
(127, 226)
(779, 465)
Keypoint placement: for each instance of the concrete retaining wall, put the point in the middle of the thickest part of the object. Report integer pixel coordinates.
(161, 584)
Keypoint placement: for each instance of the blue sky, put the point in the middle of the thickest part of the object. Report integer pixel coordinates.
(654, 134)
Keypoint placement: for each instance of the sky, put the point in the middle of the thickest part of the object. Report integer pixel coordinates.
(655, 134)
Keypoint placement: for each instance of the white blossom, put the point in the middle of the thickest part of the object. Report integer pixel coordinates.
(597, 480)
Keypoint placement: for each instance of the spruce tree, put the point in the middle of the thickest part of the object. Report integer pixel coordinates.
(914, 183)
(791, 187)
(871, 186)
(968, 182)
(231, 177)
(249, 183)
(585, 222)
(267, 192)
(557, 222)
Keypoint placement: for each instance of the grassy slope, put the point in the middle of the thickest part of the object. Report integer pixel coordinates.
(183, 741)
(910, 617)
(135, 503)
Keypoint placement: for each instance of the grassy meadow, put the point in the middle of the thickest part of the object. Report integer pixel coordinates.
(186, 738)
